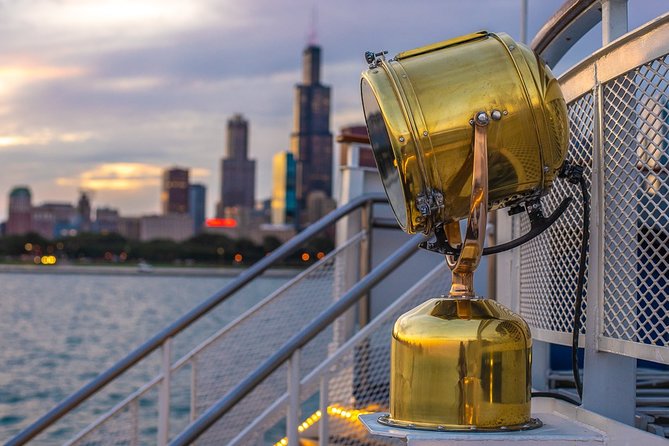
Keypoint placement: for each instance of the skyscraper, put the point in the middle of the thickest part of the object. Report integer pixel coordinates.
(284, 194)
(237, 171)
(311, 140)
(84, 212)
(174, 196)
(20, 211)
(197, 194)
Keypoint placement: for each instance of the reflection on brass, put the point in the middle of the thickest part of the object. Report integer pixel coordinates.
(463, 267)
(461, 364)
(458, 128)
(419, 105)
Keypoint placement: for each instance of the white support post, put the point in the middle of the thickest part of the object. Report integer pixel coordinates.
(323, 424)
(364, 262)
(541, 363)
(164, 394)
(609, 380)
(614, 20)
(523, 21)
(292, 417)
(193, 389)
(134, 410)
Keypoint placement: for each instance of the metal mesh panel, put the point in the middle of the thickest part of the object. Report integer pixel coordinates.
(229, 359)
(120, 429)
(220, 363)
(636, 205)
(549, 263)
(359, 380)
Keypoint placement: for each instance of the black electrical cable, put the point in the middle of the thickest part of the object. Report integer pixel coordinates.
(557, 396)
(578, 301)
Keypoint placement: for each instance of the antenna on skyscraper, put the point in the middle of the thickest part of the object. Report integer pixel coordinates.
(312, 37)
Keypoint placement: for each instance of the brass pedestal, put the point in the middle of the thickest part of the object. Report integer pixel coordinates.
(461, 364)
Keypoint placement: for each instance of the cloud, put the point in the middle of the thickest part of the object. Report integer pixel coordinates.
(129, 84)
(121, 177)
(13, 77)
(44, 137)
(115, 176)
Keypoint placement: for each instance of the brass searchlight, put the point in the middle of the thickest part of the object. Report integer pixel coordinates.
(459, 128)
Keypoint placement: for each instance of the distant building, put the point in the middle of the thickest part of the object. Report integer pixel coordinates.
(177, 227)
(174, 196)
(197, 197)
(311, 140)
(237, 171)
(284, 189)
(53, 220)
(107, 220)
(19, 220)
(318, 205)
(84, 213)
(128, 227)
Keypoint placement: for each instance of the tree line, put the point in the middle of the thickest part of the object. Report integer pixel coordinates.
(210, 249)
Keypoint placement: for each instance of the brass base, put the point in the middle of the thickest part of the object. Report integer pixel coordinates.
(533, 423)
(462, 364)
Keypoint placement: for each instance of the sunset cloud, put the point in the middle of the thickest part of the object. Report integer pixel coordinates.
(16, 76)
(43, 137)
(122, 177)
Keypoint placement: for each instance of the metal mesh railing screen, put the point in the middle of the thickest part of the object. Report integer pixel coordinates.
(549, 263)
(229, 359)
(636, 205)
(359, 380)
(217, 365)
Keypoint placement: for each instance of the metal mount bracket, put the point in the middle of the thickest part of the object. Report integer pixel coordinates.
(539, 223)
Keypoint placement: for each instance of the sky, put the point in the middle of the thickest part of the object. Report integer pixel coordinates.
(102, 95)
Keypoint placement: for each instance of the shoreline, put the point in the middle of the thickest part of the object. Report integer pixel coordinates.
(169, 271)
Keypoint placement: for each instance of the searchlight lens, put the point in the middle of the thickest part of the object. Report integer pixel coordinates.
(383, 153)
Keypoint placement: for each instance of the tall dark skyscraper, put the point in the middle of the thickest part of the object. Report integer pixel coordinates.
(237, 171)
(174, 196)
(311, 140)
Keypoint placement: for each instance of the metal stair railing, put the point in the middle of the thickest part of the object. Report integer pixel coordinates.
(289, 353)
(311, 291)
(163, 339)
(364, 358)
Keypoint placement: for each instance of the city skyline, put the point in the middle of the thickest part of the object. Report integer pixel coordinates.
(105, 95)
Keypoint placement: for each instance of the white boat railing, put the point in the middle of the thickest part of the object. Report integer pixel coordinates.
(310, 291)
(163, 394)
(618, 110)
(351, 381)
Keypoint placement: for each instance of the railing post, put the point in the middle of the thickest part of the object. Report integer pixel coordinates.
(134, 410)
(293, 399)
(609, 380)
(365, 260)
(193, 389)
(323, 424)
(164, 393)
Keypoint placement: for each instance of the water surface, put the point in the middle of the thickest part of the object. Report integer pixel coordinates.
(59, 331)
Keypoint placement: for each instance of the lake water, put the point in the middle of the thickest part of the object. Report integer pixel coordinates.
(57, 332)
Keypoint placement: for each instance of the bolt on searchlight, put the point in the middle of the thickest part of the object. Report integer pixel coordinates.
(458, 128)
